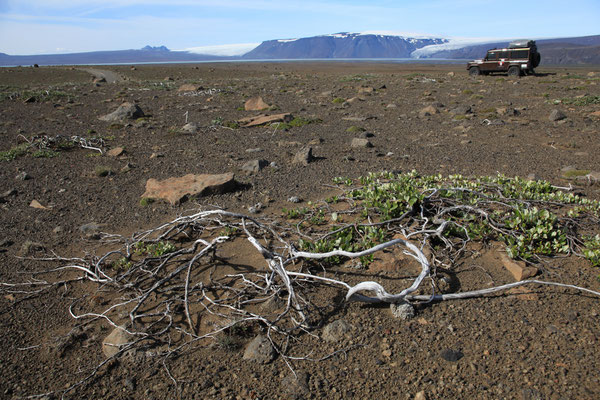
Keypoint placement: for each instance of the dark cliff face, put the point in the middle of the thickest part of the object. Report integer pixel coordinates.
(341, 45)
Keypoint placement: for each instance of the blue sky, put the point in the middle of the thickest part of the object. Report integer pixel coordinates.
(52, 26)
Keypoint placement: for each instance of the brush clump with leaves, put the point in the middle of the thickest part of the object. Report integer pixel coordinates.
(178, 279)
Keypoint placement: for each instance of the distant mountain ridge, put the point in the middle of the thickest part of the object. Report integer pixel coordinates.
(147, 54)
(563, 51)
(341, 45)
(583, 50)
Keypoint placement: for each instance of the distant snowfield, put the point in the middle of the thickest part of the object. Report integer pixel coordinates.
(224, 49)
(453, 44)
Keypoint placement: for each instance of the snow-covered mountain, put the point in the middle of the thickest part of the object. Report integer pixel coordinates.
(373, 45)
(342, 45)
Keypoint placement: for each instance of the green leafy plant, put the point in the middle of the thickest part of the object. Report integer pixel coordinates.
(14, 152)
(146, 201)
(529, 217)
(45, 153)
(122, 264)
(591, 249)
(582, 101)
(155, 249)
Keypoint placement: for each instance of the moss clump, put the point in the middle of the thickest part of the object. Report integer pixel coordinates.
(355, 129)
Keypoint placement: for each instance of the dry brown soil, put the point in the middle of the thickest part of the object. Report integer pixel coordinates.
(543, 346)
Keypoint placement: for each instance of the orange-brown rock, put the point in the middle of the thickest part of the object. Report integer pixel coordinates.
(264, 119)
(174, 190)
(518, 269)
(255, 104)
(189, 87)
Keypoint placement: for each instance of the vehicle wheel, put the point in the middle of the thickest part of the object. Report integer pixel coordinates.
(536, 60)
(474, 71)
(514, 71)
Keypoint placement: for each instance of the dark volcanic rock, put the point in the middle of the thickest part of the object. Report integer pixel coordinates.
(125, 111)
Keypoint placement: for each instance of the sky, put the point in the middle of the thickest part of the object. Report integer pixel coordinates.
(66, 26)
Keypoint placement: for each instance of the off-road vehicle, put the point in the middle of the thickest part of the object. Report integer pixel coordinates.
(520, 57)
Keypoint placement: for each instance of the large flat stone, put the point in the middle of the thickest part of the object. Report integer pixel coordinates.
(174, 190)
(256, 104)
(264, 119)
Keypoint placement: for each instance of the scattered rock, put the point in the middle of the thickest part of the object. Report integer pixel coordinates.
(255, 209)
(22, 176)
(130, 384)
(116, 152)
(254, 166)
(92, 230)
(451, 73)
(264, 119)
(125, 111)
(595, 114)
(519, 270)
(421, 395)
(189, 87)
(556, 115)
(591, 177)
(451, 355)
(335, 331)
(100, 79)
(403, 310)
(6, 194)
(354, 100)
(508, 111)
(255, 104)
(296, 385)
(114, 341)
(127, 167)
(260, 350)
(29, 247)
(4, 243)
(304, 156)
(531, 394)
(366, 90)
(461, 110)
(36, 204)
(255, 150)
(190, 127)
(294, 199)
(361, 142)
(174, 190)
(428, 111)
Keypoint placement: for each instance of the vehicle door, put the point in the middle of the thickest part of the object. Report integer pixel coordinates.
(490, 62)
(503, 60)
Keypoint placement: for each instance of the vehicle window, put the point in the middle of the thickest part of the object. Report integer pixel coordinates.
(491, 56)
(504, 54)
(519, 54)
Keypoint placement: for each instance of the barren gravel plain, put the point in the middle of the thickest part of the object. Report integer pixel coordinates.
(72, 189)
